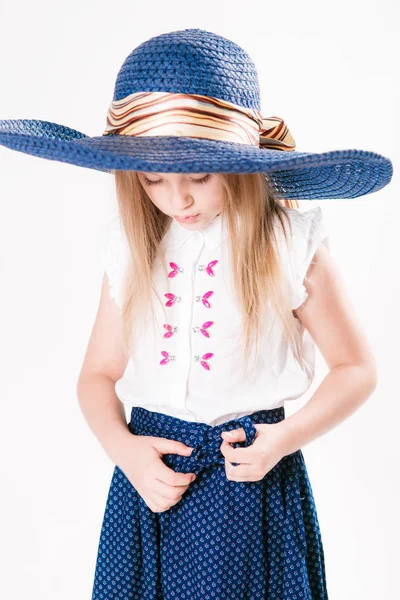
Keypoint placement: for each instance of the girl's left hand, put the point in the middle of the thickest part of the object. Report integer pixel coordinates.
(257, 459)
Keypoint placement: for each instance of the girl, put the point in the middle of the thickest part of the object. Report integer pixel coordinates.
(216, 290)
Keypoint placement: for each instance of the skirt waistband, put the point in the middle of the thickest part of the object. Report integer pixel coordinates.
(204, 438)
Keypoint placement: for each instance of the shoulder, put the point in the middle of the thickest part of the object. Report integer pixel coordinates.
(113, 230)
(305, 230)
(303, 223)
(114, 256)
(114, 240)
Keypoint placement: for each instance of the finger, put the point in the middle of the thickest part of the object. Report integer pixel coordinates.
(167, 491)
(166, 446)
(171, 477)
(239, 435)
(236, 435)
(239, 455)
(163, 504)
(243, 472)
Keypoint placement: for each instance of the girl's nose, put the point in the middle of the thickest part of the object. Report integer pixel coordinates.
(181, 208)
(181, 201)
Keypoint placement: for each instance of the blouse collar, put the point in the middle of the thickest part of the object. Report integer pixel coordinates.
(213, 234)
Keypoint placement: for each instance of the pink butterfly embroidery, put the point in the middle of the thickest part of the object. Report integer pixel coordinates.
(170, 330)
(171, 299)
(175, 270)
(204, 362)
(204, 299)
(167, 357)
(204, 328)
(210, 266)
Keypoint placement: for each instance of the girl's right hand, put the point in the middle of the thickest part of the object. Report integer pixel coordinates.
(158, 485)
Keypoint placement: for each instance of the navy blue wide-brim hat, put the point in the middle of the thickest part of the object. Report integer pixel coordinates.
(188, 101)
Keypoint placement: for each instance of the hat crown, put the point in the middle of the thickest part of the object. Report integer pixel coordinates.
(190, 61)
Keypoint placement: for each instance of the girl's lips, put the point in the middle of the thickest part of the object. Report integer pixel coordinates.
(187, 219)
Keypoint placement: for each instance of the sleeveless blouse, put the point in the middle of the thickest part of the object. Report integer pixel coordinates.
(188, 366)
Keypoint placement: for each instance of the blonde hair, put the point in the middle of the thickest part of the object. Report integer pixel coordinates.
(250, 208)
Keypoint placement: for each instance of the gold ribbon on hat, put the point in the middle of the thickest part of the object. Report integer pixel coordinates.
(192, 115)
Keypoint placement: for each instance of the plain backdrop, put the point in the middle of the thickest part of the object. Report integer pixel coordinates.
(328, 69)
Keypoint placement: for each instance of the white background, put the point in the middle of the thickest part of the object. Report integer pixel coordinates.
(329, 70)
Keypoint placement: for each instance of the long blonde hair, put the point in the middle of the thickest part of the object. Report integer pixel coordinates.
(250, 200)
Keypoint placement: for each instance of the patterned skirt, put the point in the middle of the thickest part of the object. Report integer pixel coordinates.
(223, 540)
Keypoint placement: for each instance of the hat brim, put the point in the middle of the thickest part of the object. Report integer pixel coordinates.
(337, 174)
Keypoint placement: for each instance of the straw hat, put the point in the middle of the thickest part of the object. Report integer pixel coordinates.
(189, 101)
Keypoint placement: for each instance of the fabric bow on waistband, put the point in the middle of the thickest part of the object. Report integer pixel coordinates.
(207, 451)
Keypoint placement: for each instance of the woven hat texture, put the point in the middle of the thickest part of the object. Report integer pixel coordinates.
(186, 68)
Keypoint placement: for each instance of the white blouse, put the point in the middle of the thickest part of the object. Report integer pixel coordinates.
(187, 366)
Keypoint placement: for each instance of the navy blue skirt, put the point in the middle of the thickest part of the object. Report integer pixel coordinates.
(223, 540)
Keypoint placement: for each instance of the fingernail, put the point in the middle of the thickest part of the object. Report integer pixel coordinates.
(228, 433)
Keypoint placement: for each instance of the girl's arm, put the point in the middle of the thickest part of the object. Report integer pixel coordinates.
(333, 324)
(104, 363)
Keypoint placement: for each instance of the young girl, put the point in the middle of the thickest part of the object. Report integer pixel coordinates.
(217, 289)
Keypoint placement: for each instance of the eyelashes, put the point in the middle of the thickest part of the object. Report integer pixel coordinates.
(199, 181)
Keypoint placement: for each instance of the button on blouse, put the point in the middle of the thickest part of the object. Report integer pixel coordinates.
(188, 366)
